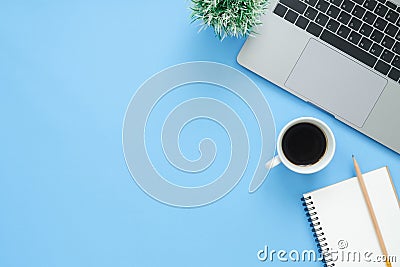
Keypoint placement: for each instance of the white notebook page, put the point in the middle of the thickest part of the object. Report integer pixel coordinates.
(345, 220)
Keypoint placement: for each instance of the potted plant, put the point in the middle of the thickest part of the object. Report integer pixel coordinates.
(229, 17)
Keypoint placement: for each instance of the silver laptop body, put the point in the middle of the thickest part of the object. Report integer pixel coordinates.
(321, 52)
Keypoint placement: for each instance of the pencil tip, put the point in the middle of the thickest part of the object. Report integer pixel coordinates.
(352, 156)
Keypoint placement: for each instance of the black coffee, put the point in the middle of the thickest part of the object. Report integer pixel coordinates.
(304, 144)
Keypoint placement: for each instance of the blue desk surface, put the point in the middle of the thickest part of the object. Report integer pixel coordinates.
(67, 72)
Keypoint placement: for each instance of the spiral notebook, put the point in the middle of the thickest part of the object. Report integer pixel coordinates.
(342, 226)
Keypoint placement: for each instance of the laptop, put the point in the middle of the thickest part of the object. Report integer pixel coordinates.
(342, 56)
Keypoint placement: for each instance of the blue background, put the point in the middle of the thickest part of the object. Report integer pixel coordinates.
(67, 72)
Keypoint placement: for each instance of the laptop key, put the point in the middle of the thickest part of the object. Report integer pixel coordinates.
(376, 50)
(369, 17)
(396, 61)
(387, 42)
(302, 22)
(381, 10)
(396, 48)
(347, 5)
(354, 37)
(358, 12)
(391, 5)
(314, 29)
(360, 2)
(322, 19)
(387, 56)
(333, 11)
(296, 5)
(355, 24)
(348, 48)
(365, 44)
(391, 30)
(310, 13)
(366, 30)
(394, 74)
(336, 2)
(332, 25)
(344, 17)
(291, 16)
(380, 23)
(376, 36)
(382, 67)
(392, 16)
(311, 2)
(322, 5)
(343, 31)
(280, 10)
(370, 4)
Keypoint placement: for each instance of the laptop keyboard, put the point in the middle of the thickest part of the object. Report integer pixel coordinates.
(367, 30)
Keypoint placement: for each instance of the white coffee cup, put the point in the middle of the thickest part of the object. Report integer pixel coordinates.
(311, 168)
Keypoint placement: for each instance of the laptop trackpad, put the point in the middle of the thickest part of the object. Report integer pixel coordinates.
(336, 83)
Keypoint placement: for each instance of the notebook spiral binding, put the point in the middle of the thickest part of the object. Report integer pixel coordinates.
(316, 228)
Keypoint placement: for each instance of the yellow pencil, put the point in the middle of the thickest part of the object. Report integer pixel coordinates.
(371, 211)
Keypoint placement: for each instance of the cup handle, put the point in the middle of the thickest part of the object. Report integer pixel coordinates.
(275, 161)
(255, 184)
